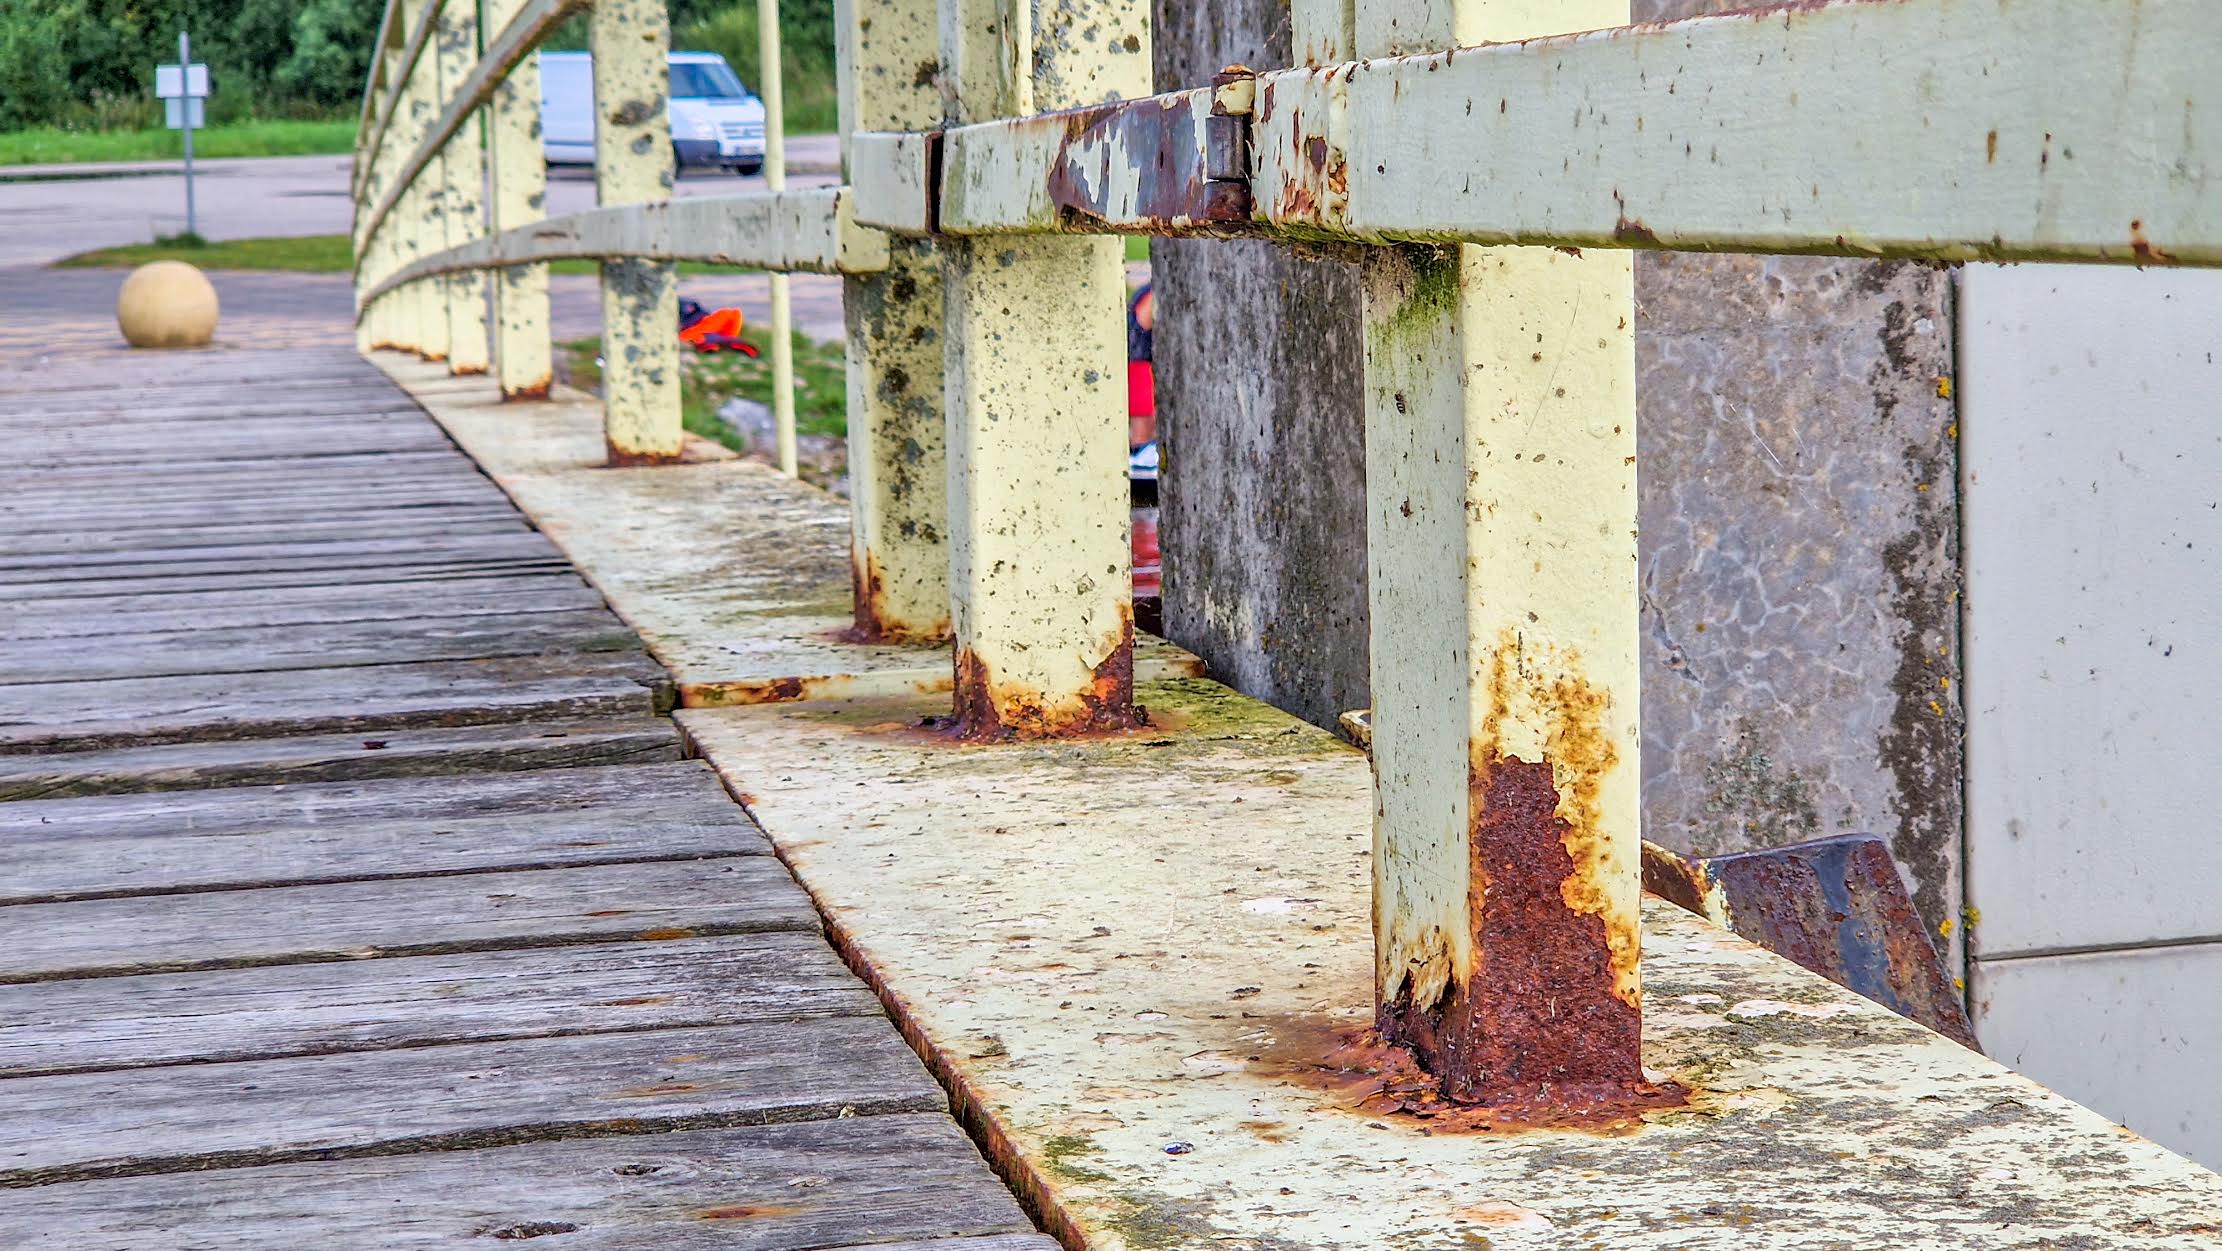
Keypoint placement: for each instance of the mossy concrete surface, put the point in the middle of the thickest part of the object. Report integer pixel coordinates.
(1131, 957)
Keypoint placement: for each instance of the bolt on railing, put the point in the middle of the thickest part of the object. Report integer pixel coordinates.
(1490, 191)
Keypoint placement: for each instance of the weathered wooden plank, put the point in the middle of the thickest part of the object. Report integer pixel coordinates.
(106, 394)
(413, 916)
(88, 533)
(249, 809)
(219, 444)
(359, 552)
(895, 1183)
(215, 500)
(170, 525)
(468, 1095)
(335, 472)
(186, 477)
(367, 1005)
(329, 832)
(272, 433)
(440, 751)
(79, 506)
(268, 648)
(94, 616)
(344, 577)
(274, 408)
(121, 712)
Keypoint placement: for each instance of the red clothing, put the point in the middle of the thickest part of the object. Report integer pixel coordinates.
(1141, 389)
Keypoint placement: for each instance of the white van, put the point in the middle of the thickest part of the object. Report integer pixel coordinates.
(714, 119)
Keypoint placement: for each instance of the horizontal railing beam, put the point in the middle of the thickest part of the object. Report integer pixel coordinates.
(1955, 130)
(374, 77)
(368, 144)
(811, 231)
(516, 42)
(1951, 130)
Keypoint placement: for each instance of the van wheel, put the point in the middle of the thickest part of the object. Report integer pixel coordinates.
(745, 168)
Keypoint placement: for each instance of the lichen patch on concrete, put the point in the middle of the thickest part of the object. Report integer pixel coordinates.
(1131, 959)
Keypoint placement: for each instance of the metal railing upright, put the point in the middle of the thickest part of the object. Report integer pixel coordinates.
(1493, 175)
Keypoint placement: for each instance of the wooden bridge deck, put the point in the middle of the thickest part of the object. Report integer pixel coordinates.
(353, 892)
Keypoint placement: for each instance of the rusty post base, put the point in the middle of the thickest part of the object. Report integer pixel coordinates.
(985, 713)
(619, 458)
(1540, 1029)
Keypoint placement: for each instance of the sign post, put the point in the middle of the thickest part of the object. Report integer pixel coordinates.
(181, 88)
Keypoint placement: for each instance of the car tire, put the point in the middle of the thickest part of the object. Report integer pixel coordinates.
(745, 168)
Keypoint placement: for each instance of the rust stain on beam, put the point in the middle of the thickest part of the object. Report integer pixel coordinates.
(1165, 149)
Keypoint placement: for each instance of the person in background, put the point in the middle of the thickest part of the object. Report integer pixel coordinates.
(1141, 465)
(1141, 385)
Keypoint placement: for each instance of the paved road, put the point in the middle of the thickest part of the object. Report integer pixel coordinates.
(49, 212)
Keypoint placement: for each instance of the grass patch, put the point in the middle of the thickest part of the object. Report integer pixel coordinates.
(54, 145)
(1137, 247)
(708, 379)
(306, 254)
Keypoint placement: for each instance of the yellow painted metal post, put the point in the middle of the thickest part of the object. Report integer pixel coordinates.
(1040, 571)
(416, 221)
(771, 88)
(462, 192)
(633, 163)
(390, 246)
(1501, 501)
(898, 468)
(371, 331)
(518, 186)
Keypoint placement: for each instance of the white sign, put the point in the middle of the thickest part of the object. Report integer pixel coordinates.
(172, 82)
(174, 110)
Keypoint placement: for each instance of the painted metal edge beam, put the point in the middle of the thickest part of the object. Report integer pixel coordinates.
(1952, 130)
(370, 142)
(811, 231)
(373, 78)
(2003, 130)
(897, 177)
(516, 41)
(1166, 162)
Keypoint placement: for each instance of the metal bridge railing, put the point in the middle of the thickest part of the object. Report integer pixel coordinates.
(994, 146)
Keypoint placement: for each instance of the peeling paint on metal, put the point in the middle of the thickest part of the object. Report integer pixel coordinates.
(1500, 435)
(1141, 166)
(1619, 137)
(523, 352)
(462, 174)
(640, 298)
(898, 466)
(1035, 372)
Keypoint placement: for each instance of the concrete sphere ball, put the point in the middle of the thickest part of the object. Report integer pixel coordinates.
(167, 304)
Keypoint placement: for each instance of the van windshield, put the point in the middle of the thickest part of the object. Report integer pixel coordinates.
(705, 80)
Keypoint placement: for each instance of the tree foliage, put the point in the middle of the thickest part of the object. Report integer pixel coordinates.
(90, 63)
